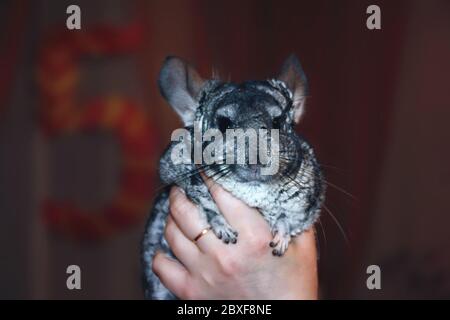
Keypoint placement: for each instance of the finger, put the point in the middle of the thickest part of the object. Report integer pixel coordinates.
(189, 220)
(183, 248)
(305, 244)
(171, 273)
(233, 208)
(305, 251)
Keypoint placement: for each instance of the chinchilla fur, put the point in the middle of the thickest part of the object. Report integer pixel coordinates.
(290, 199)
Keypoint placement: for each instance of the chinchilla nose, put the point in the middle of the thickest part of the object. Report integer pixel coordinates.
(260, 124)
(254, 123)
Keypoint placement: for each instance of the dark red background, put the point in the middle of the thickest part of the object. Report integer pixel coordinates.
(376, 116)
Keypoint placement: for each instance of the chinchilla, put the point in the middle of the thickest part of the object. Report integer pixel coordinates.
(289, 199)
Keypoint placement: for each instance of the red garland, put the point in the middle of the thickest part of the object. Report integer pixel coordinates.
(58, 77)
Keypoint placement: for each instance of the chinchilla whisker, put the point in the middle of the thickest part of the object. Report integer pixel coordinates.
(219, 174)
(206, 168)
(316, 237)
(337, 224)
(313, 175)
(286, 158)
(341, 190)
(292, 181)
(191, 173)
(323, 231)
(223, 174)
(185, 176)
(337, 169)
(284, 152)
(329, 212)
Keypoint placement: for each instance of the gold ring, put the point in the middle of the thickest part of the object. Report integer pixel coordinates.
(202, 233)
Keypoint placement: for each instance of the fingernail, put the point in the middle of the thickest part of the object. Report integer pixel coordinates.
(177, 188)
(157, 252)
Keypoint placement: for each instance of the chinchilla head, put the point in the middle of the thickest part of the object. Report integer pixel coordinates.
(274, 104)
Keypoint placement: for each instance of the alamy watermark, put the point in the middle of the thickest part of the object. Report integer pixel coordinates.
(237, 146)
(373, 21)
(73, 21)
(73, 281)
(373, 281)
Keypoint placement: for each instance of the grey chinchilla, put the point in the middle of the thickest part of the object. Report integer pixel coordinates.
(290, 199)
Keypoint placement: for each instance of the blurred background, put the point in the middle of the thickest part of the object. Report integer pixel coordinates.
(82, 125)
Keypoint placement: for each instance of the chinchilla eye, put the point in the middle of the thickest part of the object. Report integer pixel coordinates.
(223, 123)
(276, 122)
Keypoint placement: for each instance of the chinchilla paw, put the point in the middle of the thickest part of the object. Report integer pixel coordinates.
(280, 243)
(281, 237)
(223, 230)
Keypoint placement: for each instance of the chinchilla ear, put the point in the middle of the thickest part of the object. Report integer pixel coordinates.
(180, 85)
(293, 76)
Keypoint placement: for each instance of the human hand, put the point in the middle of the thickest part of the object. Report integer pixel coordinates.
(210, 269)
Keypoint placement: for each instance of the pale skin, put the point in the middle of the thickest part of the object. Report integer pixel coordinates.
(210, 269)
